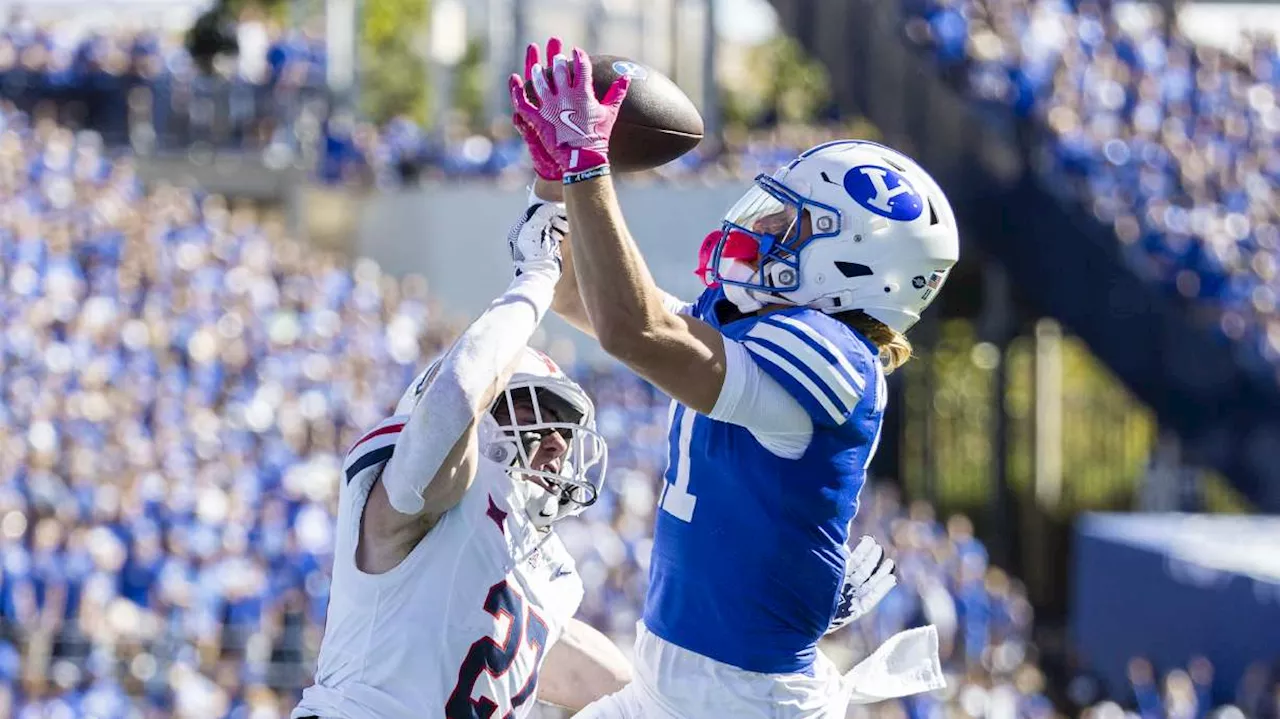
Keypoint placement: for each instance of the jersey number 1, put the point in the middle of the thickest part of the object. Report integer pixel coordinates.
(676, 499)
(489, 656)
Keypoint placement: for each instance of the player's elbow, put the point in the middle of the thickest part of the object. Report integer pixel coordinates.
(617, 342)
(628, 346)
(573, 312)
(452, 388)
(630, 336)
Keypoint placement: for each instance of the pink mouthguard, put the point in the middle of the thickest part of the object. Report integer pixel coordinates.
(739, 246)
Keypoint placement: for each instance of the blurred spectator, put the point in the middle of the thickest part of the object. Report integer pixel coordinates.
(143, 88)
(1188, 693)
(1168, 142)
(179, 380)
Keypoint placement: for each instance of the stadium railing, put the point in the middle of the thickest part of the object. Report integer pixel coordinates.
(173, 114)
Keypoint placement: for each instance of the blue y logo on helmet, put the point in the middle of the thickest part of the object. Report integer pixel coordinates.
(884, 192)
(629, 69)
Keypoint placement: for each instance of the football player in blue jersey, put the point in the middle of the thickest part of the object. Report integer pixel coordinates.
(777, 374)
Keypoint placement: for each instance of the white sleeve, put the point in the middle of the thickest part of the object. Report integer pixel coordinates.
(452, 398)
(675, 305)
(752, 399)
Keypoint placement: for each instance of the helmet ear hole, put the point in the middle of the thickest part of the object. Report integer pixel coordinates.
(933, 213)
(500, 454)
(853, 269)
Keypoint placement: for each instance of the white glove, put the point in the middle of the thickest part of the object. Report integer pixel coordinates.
(535, 240)
(868, 577)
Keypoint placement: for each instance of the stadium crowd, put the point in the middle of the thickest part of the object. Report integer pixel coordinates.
(1172, 145)
(401, 153)
(1168, 142)
(179, 377)
(179, 381)
(1188, 692)
(142, 85)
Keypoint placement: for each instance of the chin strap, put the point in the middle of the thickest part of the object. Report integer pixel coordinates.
(542, 506)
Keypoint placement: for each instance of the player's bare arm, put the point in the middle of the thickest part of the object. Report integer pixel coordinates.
(567, 302)
(682, 355)
(581, 667)
(435, 457)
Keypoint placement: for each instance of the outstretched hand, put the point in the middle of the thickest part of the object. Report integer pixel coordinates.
(568, 129)
(543, 164)
(868, 577)
(535, 239)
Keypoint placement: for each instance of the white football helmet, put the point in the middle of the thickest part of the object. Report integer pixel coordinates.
(559, 405)
(848, 225)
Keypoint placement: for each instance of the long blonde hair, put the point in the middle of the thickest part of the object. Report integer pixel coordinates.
(895, 348)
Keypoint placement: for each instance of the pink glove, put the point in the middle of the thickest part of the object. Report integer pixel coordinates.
(543, 164)
(570, 124)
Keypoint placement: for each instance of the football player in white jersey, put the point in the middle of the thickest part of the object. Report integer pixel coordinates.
(452, 598)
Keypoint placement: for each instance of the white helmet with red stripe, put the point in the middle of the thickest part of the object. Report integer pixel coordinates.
(558, 404)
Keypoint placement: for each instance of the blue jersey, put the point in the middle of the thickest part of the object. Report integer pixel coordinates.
(748, 555)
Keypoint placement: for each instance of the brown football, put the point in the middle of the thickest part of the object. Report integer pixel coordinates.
(657, 122)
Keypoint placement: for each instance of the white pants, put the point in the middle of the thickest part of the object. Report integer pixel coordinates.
(674, 683)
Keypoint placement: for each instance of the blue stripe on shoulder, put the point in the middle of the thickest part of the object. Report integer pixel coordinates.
(833, 361)
(794, 361)
(369, 459)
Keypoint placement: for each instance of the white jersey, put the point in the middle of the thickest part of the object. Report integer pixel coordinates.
(457, 630)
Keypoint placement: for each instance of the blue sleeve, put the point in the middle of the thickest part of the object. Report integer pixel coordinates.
(705, 304)
(819, 361)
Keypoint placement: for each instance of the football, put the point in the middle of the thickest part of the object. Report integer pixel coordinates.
(657, 122)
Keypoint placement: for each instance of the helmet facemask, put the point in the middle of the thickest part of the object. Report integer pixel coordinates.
(552, 486)
(780, 221)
